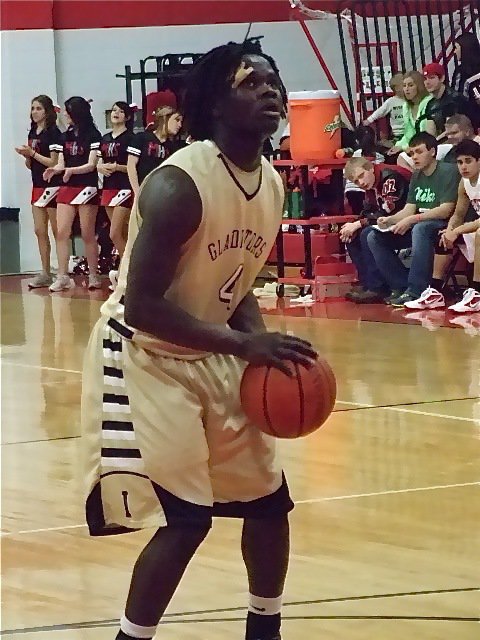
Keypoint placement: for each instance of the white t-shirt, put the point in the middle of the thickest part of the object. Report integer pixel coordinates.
(393, 107)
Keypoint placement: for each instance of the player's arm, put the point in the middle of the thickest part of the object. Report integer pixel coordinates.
(172, 211)
(247, 316)
(463, 202)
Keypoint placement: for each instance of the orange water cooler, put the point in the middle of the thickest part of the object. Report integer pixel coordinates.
(315, 124)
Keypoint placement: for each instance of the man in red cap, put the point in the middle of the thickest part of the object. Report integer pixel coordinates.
(446, 102)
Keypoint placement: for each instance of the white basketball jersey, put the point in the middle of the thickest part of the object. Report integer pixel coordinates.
(473, 192)
(241, 215)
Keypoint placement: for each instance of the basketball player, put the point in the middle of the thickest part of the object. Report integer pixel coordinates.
(77, 163)
(167, 442)
(468, 160)
(44, 144)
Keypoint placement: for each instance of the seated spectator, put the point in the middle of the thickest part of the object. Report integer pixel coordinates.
(430, 202)
(365, 144)
(457, 128)
(468, 159)
(414, 110)
(445, 101)
(392, 107)
(385, 190)
(466, 78)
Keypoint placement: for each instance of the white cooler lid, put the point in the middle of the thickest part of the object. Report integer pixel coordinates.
(313, 95)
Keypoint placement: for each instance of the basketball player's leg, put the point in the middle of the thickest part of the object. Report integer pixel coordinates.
(160, 403)
(265, 551)
(476, 262)
(248, 483)
(157, 574)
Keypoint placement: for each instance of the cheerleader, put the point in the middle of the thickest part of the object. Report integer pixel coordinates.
(44, 144)
(151, 147)
(77, 162)
(117, 192)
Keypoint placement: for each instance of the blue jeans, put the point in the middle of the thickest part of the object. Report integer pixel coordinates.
(422, 238)
(368, 274)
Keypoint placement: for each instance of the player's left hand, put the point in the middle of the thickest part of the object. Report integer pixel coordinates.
(401, 227)
(448, 237)
(67, 175)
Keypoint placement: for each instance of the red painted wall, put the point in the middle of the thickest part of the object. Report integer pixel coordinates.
(90, 14)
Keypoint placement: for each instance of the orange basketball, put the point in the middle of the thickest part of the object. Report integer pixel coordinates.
(288, 407)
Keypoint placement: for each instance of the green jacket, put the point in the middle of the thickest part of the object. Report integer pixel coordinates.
(413, 126)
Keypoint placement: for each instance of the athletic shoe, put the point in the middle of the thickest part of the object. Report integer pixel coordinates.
(94, 282)
(429, 319)
(430, 299)
(470, 324)
(61, 283)
(113, 275)
(470, 303)
(353, 291)
(396, 293)
(403, 299)
(307, 299)
(41, 280)
(366, 297)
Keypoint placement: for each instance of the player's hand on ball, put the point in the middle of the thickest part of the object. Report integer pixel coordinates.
(273, 349)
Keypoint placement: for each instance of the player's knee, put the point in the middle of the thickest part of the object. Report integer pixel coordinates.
(187, 537)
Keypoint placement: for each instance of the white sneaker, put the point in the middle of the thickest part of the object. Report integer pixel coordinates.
(41, 280)
(94, 282)
(113, 275)
(307, 299)
(430, 299)
(61, 283)
(468, 304)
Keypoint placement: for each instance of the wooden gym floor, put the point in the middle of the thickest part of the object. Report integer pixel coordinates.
(385, 534)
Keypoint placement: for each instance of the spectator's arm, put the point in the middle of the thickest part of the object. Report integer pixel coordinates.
(410, 209)
(442, 212)
(430, 127)
(382, 111)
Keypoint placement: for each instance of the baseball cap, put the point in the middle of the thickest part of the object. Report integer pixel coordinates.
(433, 69)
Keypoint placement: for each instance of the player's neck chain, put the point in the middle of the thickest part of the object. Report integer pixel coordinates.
(248, 196)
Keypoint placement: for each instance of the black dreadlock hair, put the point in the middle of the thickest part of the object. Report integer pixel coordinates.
(210, 79)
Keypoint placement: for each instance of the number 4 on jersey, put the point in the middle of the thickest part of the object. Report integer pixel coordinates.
(225, 292)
